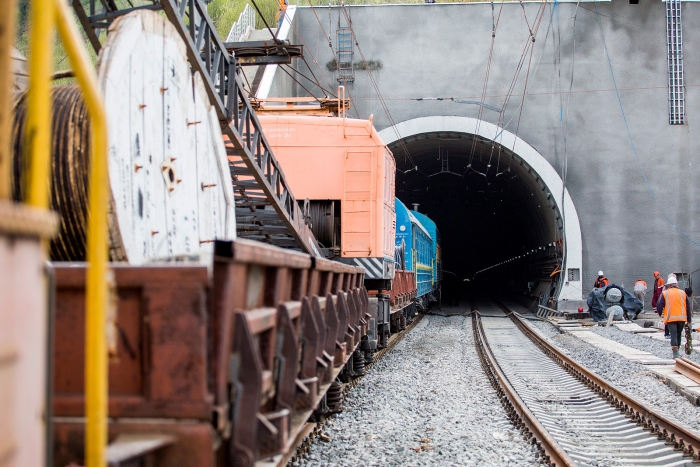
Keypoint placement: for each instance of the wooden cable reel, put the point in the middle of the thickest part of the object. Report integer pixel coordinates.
(171, 191)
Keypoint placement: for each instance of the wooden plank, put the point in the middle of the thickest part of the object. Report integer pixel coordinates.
(205, 193)
(181, 178)
(154, 137)
(126, 448)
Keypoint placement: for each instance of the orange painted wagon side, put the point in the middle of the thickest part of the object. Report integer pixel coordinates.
(345, 160)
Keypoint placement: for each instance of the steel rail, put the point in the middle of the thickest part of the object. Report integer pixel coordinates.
(673, 433)
(550, 451)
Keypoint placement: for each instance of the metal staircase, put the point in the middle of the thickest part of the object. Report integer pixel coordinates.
(266, 209)
(674, 43)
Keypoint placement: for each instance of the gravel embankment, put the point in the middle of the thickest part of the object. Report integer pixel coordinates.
(632, 378)
(660, 348)
(425, 403)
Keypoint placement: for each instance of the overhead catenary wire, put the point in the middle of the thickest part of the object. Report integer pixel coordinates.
(313, 59)
(565, 127)
(519, 111)
(521, 102)
(299, 83)
(407, 154)
(529, 46)
(494, 28)
(318, 83)
(262, 17)
(330, 45)
(315, 82)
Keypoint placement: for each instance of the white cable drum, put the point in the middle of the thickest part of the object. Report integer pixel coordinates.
(170, 184)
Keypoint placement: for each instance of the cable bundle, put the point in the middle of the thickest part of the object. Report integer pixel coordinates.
(70, 153)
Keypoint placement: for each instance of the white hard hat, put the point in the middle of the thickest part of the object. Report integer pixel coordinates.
(600, 273)
(672, 279)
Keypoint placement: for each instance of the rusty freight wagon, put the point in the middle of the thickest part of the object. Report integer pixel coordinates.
(220, 350)
(218, 366)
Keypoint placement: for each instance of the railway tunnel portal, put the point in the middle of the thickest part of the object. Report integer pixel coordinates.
(603, 118)
(504, 213)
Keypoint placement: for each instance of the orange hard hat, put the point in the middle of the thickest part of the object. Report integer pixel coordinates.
(656, 273)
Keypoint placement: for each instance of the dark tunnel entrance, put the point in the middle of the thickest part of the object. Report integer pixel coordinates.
(499, 222)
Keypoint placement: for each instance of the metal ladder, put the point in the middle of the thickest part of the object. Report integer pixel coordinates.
(266, 209)
(345, 48)
(674, 44)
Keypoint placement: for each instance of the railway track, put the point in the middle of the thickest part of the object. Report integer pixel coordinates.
(574, 417)
(312, 430)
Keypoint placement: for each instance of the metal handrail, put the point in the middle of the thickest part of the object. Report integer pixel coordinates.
(45, 15)
(238, 29)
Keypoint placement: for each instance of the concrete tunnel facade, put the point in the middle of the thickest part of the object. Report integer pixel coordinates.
(636, 208)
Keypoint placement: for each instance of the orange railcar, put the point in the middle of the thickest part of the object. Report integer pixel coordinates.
(347, 173)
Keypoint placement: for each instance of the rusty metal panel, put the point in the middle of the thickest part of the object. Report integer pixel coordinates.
(159, 369)
(266, 314)
(403, 288)
(248, 348)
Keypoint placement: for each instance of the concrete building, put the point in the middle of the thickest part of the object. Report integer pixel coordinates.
(492, 176)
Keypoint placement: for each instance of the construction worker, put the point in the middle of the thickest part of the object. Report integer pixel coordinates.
(675, 306)
(640, 288)
(658, 288)
(601, 281)
(280, 13)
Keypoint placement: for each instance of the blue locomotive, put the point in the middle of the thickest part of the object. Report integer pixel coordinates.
(418, 247)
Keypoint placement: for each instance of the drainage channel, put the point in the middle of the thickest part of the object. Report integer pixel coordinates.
(576, 420)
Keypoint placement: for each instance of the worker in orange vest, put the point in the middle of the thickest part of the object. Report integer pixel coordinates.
(601, 281)
(280, 13)
(640, 288)
(675, 306)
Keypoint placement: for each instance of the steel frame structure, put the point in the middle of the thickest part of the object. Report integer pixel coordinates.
(262, 192)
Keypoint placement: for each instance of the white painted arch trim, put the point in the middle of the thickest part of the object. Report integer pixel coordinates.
(570, 290)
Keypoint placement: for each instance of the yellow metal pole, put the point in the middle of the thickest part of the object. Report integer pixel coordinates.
(96, 293)
(7, 35)
(39, 101)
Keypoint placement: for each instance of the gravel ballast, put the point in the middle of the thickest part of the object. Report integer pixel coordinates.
(427, 402)
(633, 378)
(660, 348)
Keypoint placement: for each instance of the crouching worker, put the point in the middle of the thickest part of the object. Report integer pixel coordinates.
(675, 306)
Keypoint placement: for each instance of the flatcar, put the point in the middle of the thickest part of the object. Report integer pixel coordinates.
(420, 251)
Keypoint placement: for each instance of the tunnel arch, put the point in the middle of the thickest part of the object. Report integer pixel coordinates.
(533, 162)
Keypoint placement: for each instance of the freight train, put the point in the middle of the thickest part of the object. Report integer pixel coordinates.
(220, 348)
(347, 175)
